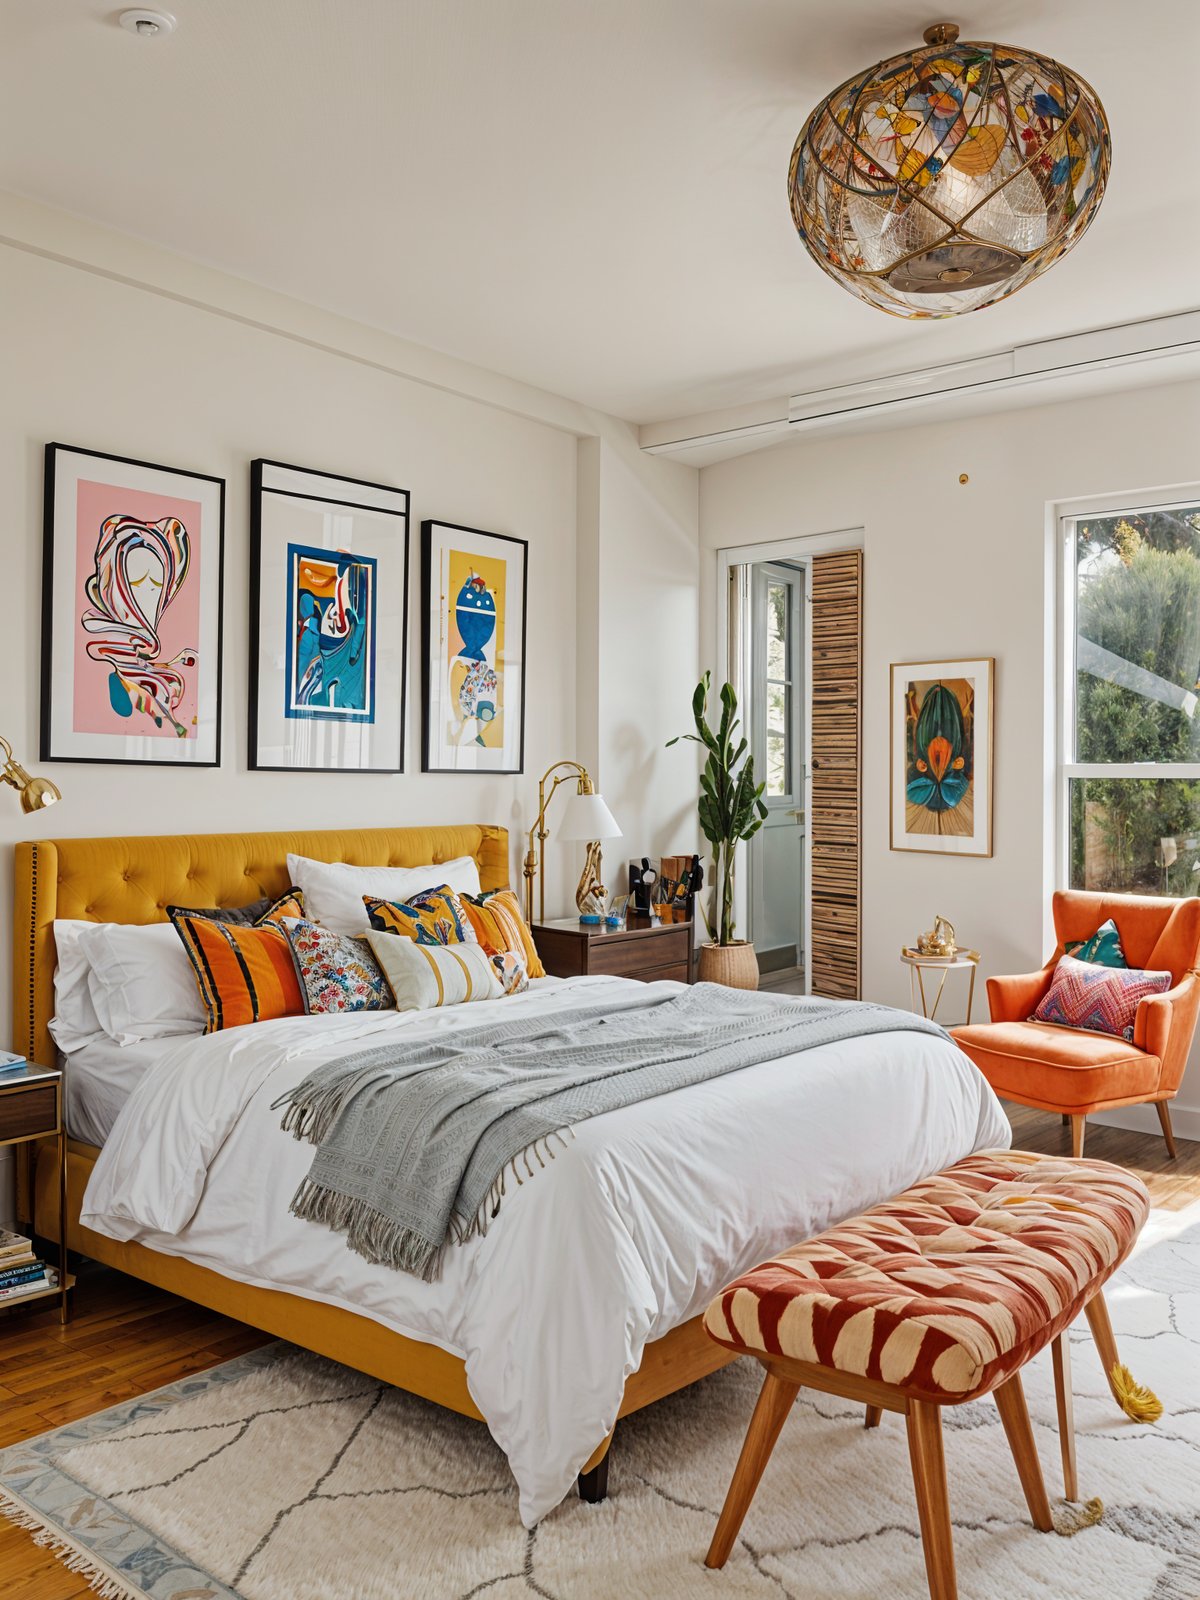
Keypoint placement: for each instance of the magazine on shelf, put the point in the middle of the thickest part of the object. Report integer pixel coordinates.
(13, 1248)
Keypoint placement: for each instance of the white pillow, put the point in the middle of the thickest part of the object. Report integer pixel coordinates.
(333, 890)
(141, 982)
(75, 1022)
(423, 976)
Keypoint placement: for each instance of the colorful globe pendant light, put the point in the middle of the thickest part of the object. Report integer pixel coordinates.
(943, 180)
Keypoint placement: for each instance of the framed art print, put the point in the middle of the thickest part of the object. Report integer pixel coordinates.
(328, 621)
(131, 611)
(941, 756)
(473, 649)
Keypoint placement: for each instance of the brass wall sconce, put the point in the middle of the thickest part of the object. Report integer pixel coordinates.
(586, 818)
(35, 792)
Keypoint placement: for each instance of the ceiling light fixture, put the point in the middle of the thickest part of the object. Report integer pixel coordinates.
(943, 180)
(148, 24)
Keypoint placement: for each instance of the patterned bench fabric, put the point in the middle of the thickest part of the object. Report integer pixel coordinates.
(948, 1289)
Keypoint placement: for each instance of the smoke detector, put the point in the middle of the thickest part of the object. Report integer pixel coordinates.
(148, 24)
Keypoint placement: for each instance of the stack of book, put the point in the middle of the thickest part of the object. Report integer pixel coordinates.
(21, 1272)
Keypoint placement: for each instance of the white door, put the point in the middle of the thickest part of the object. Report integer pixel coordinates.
(777, 699)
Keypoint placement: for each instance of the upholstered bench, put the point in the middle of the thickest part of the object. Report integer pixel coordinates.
(931, 1299)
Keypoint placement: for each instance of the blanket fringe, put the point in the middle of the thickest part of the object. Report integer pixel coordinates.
(1070, 1520)
(378, 1238)
(1136, 1401)
(99, 1577)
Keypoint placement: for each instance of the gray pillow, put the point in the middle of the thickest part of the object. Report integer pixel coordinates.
(242, 916)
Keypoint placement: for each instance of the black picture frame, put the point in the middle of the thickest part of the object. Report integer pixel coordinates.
(55, 450)
(431, 601)
(261, 469)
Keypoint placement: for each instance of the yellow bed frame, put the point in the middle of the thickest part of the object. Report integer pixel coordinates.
(132, 880)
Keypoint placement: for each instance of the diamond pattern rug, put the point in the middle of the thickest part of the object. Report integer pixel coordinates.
(281, 1476)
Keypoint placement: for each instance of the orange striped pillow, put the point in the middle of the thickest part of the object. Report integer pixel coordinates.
(500, 928)
(244, 974)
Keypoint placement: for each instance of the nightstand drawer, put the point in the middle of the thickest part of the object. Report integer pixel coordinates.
(666, 947)
(676, 974)
(25, 1113)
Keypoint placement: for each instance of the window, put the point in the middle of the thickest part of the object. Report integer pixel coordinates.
(1130, 790)
(779, 689)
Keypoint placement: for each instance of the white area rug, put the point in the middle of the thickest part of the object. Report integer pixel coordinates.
(283, 1477)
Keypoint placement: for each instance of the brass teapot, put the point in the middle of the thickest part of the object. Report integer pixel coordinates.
(939, 941)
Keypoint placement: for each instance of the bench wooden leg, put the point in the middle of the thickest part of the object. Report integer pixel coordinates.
(874, 1416)
(1010, 1401)
(1106, 1343)
(1060, 1350)
(933, 1504)
(1078, 1127)
(770, 1414)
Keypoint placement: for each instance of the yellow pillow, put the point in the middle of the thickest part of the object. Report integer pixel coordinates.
(500, 928)
(435, 916)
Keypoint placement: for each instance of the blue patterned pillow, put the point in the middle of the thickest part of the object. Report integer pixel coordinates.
(1103, 949)
(337, 972)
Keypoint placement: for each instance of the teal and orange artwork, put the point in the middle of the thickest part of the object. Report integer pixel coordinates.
(939, 775)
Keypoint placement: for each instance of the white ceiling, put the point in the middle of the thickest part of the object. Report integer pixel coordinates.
(589, 195)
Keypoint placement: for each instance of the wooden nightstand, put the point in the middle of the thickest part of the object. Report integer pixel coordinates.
(646, 950)
(31, 1107)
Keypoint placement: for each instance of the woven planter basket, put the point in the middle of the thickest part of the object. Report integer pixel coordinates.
(735, 965)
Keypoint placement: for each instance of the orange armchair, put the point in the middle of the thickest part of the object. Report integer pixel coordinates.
(1076, 1072)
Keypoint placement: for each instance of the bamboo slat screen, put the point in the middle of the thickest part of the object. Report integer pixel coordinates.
(836, 773)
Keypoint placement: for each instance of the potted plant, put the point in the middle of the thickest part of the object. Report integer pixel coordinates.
(730, 810)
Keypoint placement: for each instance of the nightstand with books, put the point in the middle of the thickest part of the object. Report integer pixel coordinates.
(31, 1108)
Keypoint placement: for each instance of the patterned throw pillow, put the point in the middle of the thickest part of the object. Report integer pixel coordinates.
(423, 975)
(256, 915)
(499, 927)
(337, 970)
(1103, 949)
(244, 974)
(509, 967)
(1102, 999)
(435, 916)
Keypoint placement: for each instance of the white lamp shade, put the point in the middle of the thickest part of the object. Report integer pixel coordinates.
(587, 817)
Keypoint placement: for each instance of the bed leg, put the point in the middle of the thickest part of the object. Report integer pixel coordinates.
(593, 1480)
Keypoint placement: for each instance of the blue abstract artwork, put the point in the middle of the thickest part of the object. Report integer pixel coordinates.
(331, 606)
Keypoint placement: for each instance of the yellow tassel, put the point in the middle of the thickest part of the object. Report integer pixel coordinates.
(1070, 1520)
(1142, 1404)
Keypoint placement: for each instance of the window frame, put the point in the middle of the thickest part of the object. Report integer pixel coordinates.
(1174, 498)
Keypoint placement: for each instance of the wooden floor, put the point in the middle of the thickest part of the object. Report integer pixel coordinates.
(127, 1338)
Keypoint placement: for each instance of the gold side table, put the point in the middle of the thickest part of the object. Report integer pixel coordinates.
(918, 965)
(31, 1108)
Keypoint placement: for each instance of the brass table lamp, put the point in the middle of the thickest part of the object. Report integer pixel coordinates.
(35, 792)
(587, 818)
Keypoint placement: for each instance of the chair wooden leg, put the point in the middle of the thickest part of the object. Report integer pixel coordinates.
(770, 1414)
(874, 1416)
(1106, 1343)
(924, 1423)
(1078, 1124)
(1010, 1401)
(1060, 1350)
(1164, 1116)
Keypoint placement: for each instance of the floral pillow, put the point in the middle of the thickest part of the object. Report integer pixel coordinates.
(1103, 949)
(337, 971)
(509, 967)
(435, 916)
(1101, 999)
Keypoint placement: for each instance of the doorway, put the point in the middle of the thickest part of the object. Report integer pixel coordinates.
(777, 705)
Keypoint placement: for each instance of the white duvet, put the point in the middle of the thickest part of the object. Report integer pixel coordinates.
(631, 1230)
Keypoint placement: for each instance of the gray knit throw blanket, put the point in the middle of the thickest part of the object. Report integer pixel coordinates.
(416, 1141)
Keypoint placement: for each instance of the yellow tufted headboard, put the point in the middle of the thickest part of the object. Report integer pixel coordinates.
(132, 880)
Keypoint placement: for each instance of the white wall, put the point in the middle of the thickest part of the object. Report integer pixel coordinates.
(953, 570)
(113, 346)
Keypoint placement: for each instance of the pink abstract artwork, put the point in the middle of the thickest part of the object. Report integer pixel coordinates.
(137, 610)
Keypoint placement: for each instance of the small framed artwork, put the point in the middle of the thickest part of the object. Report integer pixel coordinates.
(473, 649)
(941, 756)
(131, 611)
(328, 621)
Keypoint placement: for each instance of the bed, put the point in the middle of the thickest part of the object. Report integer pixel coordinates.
(582, 1304)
